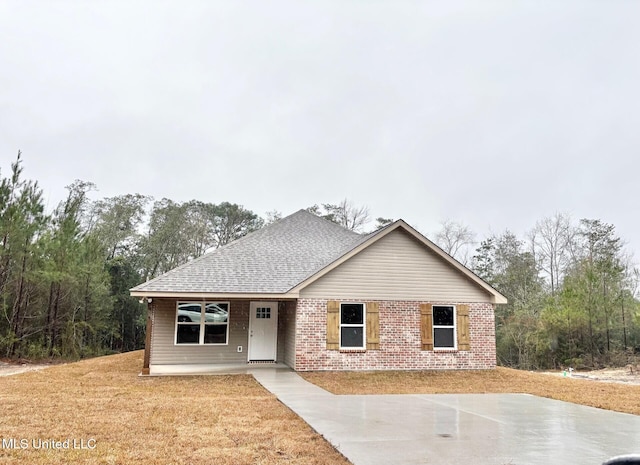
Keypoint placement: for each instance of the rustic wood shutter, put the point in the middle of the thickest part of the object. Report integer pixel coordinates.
(373, 326)
(426, 326)
(462, 322)
(333, 325)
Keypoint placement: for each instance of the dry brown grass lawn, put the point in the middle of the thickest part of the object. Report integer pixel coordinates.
(610, 396)
(170, 420)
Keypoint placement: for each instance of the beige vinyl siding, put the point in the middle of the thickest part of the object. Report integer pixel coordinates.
(397, 267)
(164, 351)
(287, 333)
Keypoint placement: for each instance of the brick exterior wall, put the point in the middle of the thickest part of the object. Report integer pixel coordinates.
(400, 340)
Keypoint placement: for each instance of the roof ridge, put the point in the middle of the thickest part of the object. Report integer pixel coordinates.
(327, 221)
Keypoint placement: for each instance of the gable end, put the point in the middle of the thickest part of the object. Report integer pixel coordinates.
(397, 267)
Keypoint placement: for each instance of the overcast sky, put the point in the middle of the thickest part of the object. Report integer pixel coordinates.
(492, 113)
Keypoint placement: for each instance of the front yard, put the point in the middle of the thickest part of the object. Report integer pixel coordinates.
(115, 417)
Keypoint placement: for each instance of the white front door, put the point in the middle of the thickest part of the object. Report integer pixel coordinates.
(263, 331)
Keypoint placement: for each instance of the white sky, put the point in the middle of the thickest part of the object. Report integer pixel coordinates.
(492, 113)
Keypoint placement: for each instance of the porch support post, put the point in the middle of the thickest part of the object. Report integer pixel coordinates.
(147, 341)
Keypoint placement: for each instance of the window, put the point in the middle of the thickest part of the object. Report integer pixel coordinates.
(263, 313)
(352, 331)
(355, 326)
(202, 323)
(444, 327)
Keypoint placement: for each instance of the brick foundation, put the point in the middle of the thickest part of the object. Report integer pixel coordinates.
(400, 340)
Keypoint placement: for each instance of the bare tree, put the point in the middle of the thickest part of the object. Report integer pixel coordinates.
(551, 241)
(345, 214)
(272, 216)
(456, 239)
(382, 222)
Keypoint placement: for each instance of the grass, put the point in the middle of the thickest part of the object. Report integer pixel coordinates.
(170, 420)
(610, 396)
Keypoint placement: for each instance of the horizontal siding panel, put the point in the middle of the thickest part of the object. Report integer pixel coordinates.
(397, 267)
(165, 352)
(287, 333)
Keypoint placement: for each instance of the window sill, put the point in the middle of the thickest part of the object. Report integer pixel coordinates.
(352, 351)
(179, 344)
(445, 351)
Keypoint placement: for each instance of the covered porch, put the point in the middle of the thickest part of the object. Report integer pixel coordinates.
(216, 335)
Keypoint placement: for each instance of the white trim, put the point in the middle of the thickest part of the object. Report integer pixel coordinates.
(202, 325)
(363, 326)
(215, 296)
(454, 327)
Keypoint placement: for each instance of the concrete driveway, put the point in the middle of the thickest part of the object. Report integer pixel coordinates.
(515, 429)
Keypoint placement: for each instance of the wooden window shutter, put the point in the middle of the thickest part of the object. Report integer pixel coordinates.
(373, 326)
(426, 326)
(462, 323)
(333, 325)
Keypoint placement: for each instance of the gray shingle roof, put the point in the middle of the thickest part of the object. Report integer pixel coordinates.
(273, 259)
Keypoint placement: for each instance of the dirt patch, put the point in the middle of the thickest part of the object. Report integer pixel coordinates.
(607, 375)
(10, 367)
(7, 369)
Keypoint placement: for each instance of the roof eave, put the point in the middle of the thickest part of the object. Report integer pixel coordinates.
(499, 299)
(215, 295)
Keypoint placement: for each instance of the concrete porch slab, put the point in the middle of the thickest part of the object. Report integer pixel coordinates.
(213, 369)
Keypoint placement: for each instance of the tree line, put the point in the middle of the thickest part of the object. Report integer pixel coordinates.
(572, 290)
(65, 275)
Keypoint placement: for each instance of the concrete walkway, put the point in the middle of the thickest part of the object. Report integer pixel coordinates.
(514, 429)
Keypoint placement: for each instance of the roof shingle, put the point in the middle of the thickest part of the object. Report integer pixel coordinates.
(273, 259)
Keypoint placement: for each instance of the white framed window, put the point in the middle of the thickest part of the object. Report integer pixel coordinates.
(444, 327)
(352, 326)
(202, 323)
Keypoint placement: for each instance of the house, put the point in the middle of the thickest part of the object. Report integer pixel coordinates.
(315, 296)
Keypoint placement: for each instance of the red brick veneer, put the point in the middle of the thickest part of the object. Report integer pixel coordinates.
(400, 340)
